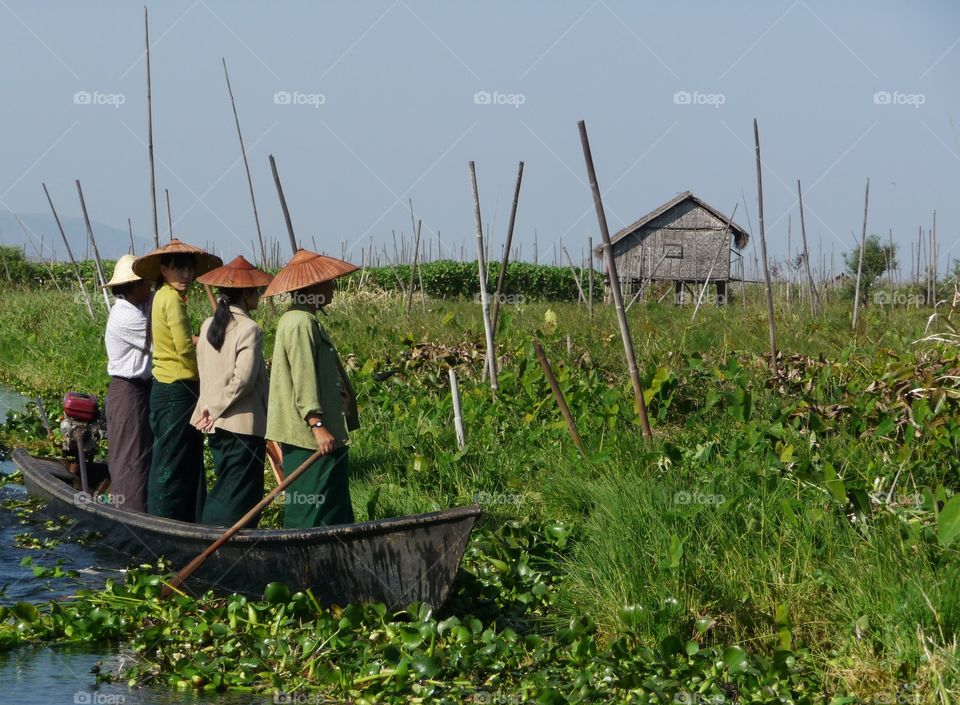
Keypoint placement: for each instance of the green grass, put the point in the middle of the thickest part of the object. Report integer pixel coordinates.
(759, 508)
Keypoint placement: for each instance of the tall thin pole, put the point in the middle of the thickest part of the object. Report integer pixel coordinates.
(615, 286)
(153, 171)
(771, 324)
(590, 276)
(283, 205)
(130, 232)
(484, 299)
(76, 269)
(863, 243)
(502, 274)
(246, 166)
(413, 267)
(3, 254)
(101, 275)
(166, 193)
(814, 294)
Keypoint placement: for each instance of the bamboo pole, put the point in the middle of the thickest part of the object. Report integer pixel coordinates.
(558, 395)
(934, 260)
(3, 254)
(188, 569)
(863, 242)
(246, 166)
(130, 233)
(576, 279)
(771, 324)
(283, 205)
(502, 274)
(27, 236)
(101, 274)
(814, 294)
(166, 193)
(76, 269)
(484, 299)
(413, 266)
(615, 286)
(153, 171)
(457, 412)
(590, 277)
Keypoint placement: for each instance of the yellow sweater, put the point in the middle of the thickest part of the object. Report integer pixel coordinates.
(174, 357)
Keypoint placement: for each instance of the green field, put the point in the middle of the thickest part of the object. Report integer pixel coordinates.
(790, 538)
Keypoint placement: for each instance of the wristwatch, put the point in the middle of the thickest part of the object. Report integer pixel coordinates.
(318, 424)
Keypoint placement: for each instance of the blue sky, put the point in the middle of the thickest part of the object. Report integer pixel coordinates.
(383, 107)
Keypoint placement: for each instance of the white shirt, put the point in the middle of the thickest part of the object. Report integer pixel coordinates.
(128, 354)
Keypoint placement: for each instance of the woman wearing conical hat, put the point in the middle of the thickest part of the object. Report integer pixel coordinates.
(127, 339)
(232, 408)
(177, 486)
(312, 405)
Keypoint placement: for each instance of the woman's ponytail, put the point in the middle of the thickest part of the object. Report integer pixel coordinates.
(221, 318)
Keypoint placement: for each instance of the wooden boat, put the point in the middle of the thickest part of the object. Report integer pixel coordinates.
(394, 561)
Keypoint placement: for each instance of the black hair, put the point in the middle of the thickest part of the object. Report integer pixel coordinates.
(222, 316)
(123, 289)
(178, 260)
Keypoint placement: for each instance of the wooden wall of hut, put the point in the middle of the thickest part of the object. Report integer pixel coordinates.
(679, 245)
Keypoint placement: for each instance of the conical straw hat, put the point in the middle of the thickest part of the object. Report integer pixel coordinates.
(306, 269)
(238, 274)
(148, 266)
(122, 272)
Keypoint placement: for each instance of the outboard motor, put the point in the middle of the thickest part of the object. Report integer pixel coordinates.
(82, 429)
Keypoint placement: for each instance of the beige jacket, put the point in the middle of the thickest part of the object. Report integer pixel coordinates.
(233, 381)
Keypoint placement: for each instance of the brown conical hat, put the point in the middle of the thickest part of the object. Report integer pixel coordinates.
(148, 266)
(237, 274)
(306, 269)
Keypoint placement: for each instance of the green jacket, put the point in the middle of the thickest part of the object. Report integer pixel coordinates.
(306, 377)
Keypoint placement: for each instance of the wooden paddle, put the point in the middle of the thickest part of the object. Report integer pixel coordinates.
(188, 569)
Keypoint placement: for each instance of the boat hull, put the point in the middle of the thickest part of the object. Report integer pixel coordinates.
(394, 561)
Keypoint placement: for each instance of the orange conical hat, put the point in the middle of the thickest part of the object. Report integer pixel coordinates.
(148, 266)
(306, 269)
(237, 274)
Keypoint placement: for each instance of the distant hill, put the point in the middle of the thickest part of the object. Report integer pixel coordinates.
(112, 242)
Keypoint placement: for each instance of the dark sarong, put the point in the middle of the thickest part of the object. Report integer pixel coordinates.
(177, 485)
(321, 495)
(238, 460)
(131, 442)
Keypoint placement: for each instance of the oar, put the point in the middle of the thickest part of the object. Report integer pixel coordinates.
(188, 569)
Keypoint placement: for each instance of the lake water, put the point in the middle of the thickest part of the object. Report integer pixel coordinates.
(53, 675)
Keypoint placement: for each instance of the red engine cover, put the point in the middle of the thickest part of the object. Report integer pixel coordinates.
(80, 407)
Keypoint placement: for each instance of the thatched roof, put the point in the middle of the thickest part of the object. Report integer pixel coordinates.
(740, 236)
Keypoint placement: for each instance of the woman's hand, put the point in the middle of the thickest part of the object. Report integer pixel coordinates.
(326, 443)
(204, 423)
